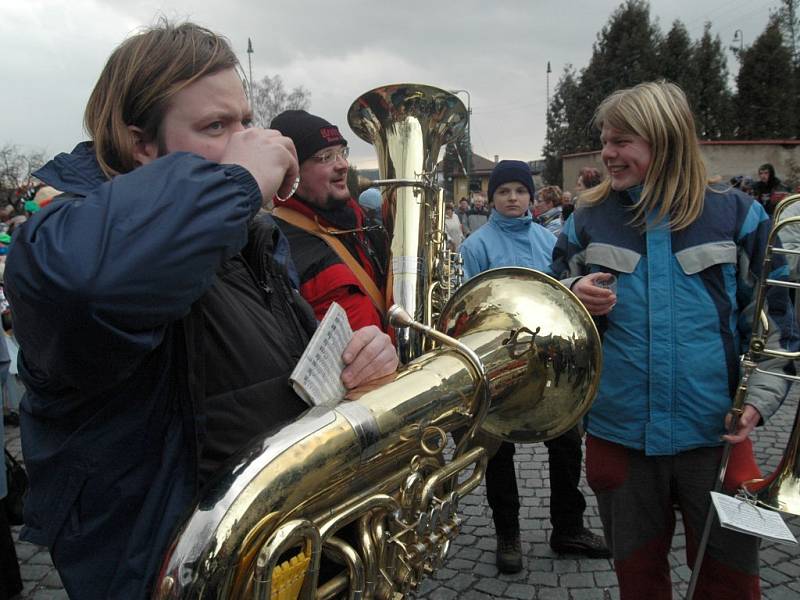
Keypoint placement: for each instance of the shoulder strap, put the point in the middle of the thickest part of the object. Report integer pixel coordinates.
(303, 222)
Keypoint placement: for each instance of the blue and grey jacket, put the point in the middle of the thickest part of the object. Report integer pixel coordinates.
(672, 343)
(507, 242)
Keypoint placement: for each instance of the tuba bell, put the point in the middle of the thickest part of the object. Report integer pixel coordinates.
(408, 124)
(367, 483)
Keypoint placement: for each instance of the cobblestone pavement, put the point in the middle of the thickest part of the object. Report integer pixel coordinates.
(470, 574)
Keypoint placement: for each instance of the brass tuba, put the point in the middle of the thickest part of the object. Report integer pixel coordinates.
(408, 124)
(367, 483)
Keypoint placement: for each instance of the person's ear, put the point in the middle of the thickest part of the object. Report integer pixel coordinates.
(144, 152)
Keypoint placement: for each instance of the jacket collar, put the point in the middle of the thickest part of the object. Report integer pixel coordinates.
(511, 223)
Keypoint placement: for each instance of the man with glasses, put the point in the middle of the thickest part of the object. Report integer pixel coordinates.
(338, 257)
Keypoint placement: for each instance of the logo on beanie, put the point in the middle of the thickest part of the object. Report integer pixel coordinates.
(330, 134)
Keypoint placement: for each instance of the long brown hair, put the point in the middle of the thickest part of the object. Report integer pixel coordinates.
(138, 81)
(675, 181)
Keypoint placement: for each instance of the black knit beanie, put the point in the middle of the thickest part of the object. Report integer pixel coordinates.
(507, 171)
(308, 132)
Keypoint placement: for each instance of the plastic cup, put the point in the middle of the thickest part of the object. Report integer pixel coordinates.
(609, 283)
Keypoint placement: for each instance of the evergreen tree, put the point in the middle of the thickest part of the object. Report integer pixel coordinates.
(567, 128)
(625, 53)
(764, 102)
(707, 88)
(675, 56)
(790, 27)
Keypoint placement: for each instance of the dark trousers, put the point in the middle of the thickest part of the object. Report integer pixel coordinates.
(636, 496)
(10, 581)
(566, 500)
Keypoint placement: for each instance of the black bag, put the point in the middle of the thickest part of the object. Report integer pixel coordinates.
(17, 480)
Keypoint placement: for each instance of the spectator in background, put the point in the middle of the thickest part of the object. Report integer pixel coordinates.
(371, 202)
(548, 208)
(478, 215)
(462, 212)
(566, 198)
(588, 177)
(452, 226)
(768, 190)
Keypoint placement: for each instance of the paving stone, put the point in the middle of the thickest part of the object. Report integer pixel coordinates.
(460, 582)
(576, 580)
(41, 558)
(469, 553)
(476, 595)
(774, 577)
(26, 551)
(565, 566)
(445, 574)
(587, 594)
(493, 587)
(605, 578)
(543, 579)
(553, 594)
(33, 572)
(521, 591)
(52, 579)
(441, 594)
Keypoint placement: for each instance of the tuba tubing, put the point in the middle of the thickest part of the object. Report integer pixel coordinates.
(377, 461)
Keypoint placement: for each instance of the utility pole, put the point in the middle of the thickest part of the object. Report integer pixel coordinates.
(549, 70)
(250, 65)
(738, 37)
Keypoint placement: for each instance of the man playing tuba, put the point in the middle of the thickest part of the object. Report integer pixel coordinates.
(338, 258)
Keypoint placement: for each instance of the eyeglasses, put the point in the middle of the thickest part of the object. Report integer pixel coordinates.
(331, 155)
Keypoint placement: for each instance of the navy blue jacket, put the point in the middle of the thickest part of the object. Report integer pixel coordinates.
(102, 282)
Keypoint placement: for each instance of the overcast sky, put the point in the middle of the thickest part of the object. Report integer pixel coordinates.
(53, 50)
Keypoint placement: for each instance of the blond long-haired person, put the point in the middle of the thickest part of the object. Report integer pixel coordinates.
(685, 257)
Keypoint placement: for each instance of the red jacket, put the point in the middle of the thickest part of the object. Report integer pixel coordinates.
(324, 277)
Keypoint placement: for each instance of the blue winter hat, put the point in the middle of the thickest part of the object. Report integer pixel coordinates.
(507, 171)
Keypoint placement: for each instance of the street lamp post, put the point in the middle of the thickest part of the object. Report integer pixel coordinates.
(549, 70)
(250, 64)
(738, 37)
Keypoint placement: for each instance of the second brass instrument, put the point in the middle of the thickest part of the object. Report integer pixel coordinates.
(408, 124)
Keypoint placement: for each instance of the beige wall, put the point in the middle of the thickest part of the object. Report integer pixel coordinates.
(725, 160)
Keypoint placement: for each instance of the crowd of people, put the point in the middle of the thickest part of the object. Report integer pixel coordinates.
(152, 354)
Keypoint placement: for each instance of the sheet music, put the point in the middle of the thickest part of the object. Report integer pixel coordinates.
(745, 517)
(317, 377)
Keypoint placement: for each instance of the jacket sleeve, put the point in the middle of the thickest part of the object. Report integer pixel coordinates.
(568, 263)
(765, 392)
(94, 280)
(471, 252)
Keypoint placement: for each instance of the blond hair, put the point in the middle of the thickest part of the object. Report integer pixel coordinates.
(675, 181)
(138, 81)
